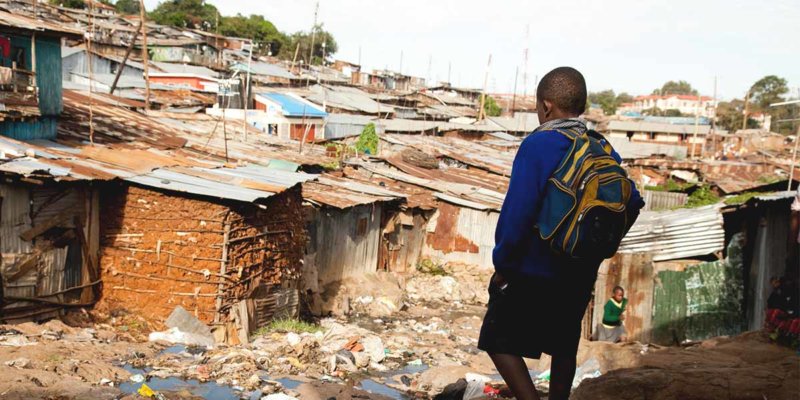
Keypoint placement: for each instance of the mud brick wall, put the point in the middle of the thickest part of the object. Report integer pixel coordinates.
(160, 250)
(265, 245)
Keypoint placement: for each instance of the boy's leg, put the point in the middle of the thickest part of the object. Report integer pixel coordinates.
(562, 372)
(515, 373)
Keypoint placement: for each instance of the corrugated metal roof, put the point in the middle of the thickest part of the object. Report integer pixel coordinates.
(347, 98)
(630, 150)
(676, 234)
(18, 21)
(525, 122)
(639, 126)
(175, 68)
(262, 68)
(294, 107)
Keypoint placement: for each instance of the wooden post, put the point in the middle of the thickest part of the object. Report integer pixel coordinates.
(143, 16)
(514, 95)
(91, 74)
(246, 99)
(223, 267)
(125, 59)
(696, 122)
(746, 109)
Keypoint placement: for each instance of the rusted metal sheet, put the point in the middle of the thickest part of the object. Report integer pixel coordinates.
(634, 272)
(461, 235)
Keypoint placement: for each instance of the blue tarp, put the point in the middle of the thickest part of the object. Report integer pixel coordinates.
(293, 107)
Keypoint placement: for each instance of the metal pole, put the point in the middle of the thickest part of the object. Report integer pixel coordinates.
(481, 113)
(514, 95)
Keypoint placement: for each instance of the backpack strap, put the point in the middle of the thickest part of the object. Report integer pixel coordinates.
(600, 138)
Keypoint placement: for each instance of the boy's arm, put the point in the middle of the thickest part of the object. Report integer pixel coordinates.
(537, 158)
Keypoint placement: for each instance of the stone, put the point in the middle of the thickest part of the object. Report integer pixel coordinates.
(21, 363)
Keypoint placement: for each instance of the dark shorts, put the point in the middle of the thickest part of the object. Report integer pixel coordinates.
(534, 316)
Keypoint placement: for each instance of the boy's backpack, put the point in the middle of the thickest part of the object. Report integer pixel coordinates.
(583, 212)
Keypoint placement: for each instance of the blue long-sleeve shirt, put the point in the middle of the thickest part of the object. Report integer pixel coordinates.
(518, 248)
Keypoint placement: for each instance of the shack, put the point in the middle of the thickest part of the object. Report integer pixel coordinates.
(225, 244)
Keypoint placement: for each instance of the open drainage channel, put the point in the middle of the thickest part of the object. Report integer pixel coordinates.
(212, 390)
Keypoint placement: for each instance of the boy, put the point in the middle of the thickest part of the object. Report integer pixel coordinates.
(537, 299)
(612, 330)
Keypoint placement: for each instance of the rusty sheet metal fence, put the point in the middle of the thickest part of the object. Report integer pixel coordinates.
(670, 235)
(656, 201)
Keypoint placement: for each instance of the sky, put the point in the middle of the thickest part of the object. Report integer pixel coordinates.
(626, 45)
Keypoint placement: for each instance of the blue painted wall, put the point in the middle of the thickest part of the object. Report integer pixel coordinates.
(48, 79)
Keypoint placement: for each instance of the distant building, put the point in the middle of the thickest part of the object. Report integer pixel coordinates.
(289, 116)
(660, 133)
(686, 104)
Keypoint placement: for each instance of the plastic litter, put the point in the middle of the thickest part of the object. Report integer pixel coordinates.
(589, 369)
(138, 378)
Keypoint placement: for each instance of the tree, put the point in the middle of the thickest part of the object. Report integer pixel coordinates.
(767, 90)
(679, 87)
(368, 140)
(193, 14)
(304, 40)
(606, 99)
(673, 112)
(78, 4)
(255, 27)
(730, 115)
(491, 108)
(129, 7)
(624, 98)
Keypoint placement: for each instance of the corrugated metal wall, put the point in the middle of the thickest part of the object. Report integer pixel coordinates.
(473, 227)
(56, 268)
(48, 80)
(344, 243)
(655, 201)
(77, 63)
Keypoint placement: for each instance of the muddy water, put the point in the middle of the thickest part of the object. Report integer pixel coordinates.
(212, 390)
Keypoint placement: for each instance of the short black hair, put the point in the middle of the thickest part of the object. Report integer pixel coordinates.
(618, 288)
(565, 88)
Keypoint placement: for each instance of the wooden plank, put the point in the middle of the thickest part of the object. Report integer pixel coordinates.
(53, 222)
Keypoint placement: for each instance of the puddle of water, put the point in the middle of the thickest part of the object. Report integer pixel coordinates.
(174, 349)
(206, 390)
(381, 389)
(289, 383)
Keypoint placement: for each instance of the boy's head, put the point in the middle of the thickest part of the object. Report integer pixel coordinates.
(618, 293)
(561, 94)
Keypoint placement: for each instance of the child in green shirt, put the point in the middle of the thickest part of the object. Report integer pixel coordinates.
(612, 329)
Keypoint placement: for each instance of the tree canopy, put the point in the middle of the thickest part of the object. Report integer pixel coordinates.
(193, 14)
(304, 40)
(730, 115)
(263, 32)
(199, 14)
(79, 4)
(608, 100)
(491, 108)
(127, 6)
(673, 87)
(767, 90)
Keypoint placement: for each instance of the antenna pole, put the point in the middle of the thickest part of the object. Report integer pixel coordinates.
(143, 16)
(482, 112)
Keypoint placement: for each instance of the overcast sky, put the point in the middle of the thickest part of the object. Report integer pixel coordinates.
(625, 45)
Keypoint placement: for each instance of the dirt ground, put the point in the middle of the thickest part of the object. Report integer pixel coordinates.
(416, 352)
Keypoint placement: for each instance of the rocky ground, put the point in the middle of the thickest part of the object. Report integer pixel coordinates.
(414, 346)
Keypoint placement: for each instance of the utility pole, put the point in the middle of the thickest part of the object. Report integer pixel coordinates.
(514, 95)
(401, 63)
(449, 69)
(746, 109)
(143, 16)
(125, 59)
(359, 56)
(313, 40)
(696, 122)
(525, 63)
(481, 112)
(430, 65)
(714, 121)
